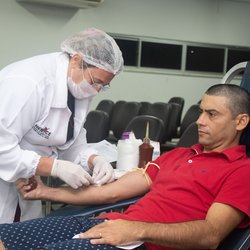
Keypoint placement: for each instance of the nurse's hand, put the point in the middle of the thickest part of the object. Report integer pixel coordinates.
(74, 175)
(103, 172)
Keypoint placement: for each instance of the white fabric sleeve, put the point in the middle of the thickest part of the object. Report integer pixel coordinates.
(17, 118)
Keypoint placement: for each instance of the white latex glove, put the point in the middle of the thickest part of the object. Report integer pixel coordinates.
(74, 175)
(103, 172)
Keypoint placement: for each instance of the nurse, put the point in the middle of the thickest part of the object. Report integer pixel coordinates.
(41, 131)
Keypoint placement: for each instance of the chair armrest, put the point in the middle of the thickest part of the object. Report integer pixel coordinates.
(94, 209)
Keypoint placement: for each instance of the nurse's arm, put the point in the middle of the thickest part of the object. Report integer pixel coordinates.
(44, 166)
(130, 185)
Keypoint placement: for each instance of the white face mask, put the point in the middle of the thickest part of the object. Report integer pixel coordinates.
(81, 90)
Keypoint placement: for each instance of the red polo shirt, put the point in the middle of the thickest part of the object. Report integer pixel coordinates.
(188, 182)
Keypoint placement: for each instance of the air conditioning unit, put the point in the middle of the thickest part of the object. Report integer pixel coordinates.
(66, 3)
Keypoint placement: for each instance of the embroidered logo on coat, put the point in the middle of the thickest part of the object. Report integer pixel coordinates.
(44, 132)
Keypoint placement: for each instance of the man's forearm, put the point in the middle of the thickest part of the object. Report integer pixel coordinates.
(220, 220)
(108, 193)
(186, 235)
(80, 196)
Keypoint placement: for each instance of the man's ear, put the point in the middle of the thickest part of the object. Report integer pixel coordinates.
(242, 121)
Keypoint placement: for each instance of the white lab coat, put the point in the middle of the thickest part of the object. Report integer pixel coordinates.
(33, 123)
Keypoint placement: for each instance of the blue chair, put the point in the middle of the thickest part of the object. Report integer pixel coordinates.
(239, 238)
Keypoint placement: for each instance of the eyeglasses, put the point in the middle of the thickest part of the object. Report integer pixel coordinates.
(96, 84)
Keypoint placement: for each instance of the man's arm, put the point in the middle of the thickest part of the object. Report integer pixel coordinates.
(221, 219)
(130, 185)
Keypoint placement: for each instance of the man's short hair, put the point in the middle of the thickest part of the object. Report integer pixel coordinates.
(238, 98)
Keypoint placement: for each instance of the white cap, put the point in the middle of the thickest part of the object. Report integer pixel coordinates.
(98, 49)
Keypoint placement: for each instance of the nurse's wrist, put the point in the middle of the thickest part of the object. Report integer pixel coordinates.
(44, 166)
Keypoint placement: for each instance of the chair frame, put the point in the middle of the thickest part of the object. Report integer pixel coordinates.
(94, 210)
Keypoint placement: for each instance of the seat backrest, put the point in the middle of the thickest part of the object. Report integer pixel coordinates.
(144, 108)
(116, 111)
(162, 111)
(234, 71)
(106, 106)
(245, 82)
(139, 123)
(123, 113)
(189, 136)
(190, 116)
(174, 121)
(97, 126)
(239, 239)
(178, 100)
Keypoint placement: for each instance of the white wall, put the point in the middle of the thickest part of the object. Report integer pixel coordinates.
(28, 30)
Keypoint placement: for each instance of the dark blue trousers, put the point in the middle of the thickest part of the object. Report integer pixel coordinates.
(51, 233)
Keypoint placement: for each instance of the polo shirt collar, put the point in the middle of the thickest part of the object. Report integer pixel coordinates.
(232, 154)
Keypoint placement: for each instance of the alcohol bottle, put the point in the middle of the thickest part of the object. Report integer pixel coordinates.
(145, 150)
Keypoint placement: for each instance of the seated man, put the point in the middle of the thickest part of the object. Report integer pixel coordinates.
(194, 197)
